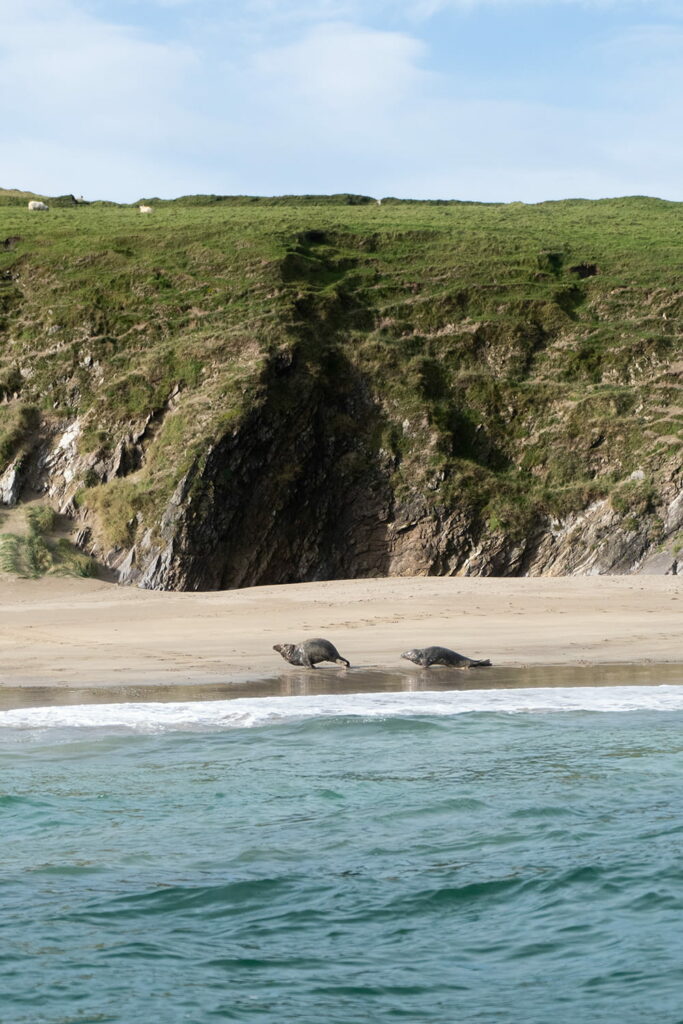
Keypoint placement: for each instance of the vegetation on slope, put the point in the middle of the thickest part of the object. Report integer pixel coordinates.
(521, 361)
(36, 551)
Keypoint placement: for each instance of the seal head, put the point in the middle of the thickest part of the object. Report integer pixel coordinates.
(288, 652)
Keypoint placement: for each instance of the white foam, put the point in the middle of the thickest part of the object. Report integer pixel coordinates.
(242, 713)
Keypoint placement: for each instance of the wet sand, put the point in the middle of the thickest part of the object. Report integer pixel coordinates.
(300, 683)
(85, 636)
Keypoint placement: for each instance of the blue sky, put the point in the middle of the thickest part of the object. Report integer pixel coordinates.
(493, 100)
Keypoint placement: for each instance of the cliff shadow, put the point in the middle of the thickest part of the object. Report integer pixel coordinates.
(298, 492)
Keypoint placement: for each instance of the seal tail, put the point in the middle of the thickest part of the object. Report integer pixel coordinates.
(480, 664)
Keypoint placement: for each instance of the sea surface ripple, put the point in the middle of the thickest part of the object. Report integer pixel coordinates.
(348, 868)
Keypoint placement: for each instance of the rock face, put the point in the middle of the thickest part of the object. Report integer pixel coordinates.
(300, 495)
(291, 495)
(10, 483)
(352, 414)
(213, 535)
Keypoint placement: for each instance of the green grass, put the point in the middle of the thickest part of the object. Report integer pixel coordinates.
(41, 520)
(18, 422)
(36, 553)
(516, 355)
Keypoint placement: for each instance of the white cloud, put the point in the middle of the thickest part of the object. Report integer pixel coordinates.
(86, 92)
(342, 69)
(62, 62)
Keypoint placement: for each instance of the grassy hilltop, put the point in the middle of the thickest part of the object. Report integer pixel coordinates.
(453, 382)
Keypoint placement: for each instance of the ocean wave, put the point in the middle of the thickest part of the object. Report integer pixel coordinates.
(251, 712)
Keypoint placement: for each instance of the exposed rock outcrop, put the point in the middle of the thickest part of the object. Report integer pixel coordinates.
(282, 498)
(10, 485)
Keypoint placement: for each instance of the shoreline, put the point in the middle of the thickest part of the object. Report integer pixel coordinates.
(339, 682)
(65, 633)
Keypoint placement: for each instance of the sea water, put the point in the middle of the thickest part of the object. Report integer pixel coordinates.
(484, 856)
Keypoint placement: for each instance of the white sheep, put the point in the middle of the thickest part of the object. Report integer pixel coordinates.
(35, 204)
(145, 209)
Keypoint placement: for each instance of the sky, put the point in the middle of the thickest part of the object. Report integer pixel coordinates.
(488, 100)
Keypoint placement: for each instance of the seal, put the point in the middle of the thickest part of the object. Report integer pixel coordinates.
(309, 652)
(426, 656)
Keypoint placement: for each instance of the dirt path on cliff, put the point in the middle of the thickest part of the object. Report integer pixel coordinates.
(73, 632)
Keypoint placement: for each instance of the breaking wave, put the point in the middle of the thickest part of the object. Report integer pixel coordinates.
(244, 713)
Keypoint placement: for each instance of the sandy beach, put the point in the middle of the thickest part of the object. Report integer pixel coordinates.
(78, 633)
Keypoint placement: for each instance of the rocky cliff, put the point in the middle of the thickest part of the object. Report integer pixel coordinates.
(251, 394)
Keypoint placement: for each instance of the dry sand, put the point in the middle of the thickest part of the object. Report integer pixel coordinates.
(76, 633)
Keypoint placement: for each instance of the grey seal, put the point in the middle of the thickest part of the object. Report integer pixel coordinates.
(426, 656)
(309, 652)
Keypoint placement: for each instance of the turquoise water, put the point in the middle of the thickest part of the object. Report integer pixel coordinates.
(373, 863)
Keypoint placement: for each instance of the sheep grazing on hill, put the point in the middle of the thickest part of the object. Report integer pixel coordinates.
(35, 204)
(145, 209)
